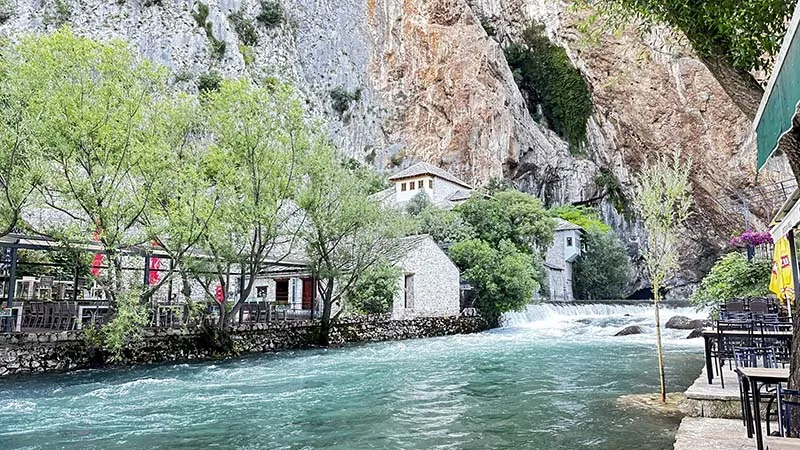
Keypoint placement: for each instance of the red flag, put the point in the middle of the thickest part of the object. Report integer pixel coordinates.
(97, 261)
(219, 294)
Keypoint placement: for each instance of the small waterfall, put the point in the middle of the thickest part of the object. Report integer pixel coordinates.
(550, 312)
(594, 320)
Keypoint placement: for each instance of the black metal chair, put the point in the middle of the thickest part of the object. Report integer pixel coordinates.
(725, 345)
(752, 357)
(788, 401)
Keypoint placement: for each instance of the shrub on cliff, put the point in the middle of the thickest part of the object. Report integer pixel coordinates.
(733, 276)
(271, 14)
(582, 216)
(546, 76)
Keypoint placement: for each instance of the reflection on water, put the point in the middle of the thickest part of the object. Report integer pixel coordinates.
(548, 380)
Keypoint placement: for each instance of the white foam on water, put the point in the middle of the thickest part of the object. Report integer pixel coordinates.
(597, 321)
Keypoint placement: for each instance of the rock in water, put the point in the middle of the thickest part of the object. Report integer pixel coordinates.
(696, 333)
(633, 329)
(685, 323)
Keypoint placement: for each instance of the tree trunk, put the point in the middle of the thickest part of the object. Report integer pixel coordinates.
(327, 308)
(742, 88)
(659, 349)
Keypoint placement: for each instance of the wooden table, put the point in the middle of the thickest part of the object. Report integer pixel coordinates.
(782, 443)
(751, 377)
(710, 334)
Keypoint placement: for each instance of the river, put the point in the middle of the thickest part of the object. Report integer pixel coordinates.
(547, 380)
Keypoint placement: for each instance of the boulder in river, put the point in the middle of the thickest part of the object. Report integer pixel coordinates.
(696, 333)
(633, 329)
(685, 323)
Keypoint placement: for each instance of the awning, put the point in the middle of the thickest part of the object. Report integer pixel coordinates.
(782, 96)
(787, 217)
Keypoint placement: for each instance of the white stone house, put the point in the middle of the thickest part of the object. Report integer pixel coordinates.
(560, 258)
(429, 285)
(443, 188)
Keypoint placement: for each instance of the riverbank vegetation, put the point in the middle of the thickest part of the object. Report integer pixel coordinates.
(95, 141)
(733, 276)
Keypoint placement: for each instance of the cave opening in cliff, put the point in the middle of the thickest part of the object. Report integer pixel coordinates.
(642, 294)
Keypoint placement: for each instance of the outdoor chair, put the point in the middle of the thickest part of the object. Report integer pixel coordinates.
(725, 345)
(754, 357)
(734, 306)
(788, 401)
(759, 306)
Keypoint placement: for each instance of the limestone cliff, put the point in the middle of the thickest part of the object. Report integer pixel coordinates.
(422, 80)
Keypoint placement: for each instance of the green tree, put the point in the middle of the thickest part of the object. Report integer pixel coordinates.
(733, 276)
(418, 204)
(346, 234)
(504, 278)
(259, 139)
(187, 200)
(444, 226)
(20, 157)
(97, 127)
(603, 269)
(373, 292)
(511, 216)
(663, 201)
(582, 216)
(374, 180)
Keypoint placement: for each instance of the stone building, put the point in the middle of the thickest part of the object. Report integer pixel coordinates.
(429, 285)
(559, 260)
(444, 189)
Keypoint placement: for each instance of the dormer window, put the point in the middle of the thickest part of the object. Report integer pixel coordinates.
(403, 187)
(569, 241)
(421, 184)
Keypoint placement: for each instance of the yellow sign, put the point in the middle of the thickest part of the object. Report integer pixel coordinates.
(781, 282)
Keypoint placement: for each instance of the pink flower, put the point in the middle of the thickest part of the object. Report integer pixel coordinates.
(752, 238)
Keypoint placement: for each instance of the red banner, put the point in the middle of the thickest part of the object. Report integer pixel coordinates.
(155, 267)
(219, 295)
(97, 261)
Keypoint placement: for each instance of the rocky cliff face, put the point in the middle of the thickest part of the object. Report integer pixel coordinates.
(424, 81)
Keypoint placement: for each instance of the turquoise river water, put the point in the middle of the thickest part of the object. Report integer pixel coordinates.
(548, 380)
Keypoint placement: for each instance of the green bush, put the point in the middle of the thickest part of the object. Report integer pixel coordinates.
(603, 270)
(418, 203)
(201, 15)
(374, 291)
(511, 216)
(6, 11)
(733, 276)
(445, 227)
(342, 98)
(546, 76)
(504, 278)
(209, 82)
(610, 186)
(583, 216)
(373, 181)
(271, 14)
(244, 27)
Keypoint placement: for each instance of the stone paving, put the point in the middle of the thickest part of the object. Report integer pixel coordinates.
(697, 433)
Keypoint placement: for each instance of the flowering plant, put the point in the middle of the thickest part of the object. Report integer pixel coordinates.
(752, 238)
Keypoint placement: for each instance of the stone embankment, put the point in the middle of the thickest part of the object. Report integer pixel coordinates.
(72, 350)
